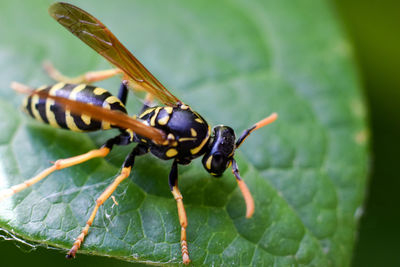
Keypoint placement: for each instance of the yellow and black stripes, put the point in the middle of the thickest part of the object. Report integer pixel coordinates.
(157, 116)
(47, 111)
(187, 129)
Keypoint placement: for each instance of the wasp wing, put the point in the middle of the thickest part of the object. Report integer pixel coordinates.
(91, 31)
(113, 117)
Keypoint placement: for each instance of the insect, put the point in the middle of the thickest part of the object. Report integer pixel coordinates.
(171, 131)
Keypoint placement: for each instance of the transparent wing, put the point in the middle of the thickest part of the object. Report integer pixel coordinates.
(91, 31)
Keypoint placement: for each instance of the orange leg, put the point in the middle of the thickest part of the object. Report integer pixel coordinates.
(173, 182)
(183, 221)
(126, 170)
(88, 77)
(103, 197)
(149, 99)
(95, 76)
(58, 165)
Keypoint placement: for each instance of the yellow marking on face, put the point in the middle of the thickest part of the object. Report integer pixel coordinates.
(183, 106)
(213, 174)
(199, 120)
(112, 99)
(99, 91)
(193, 132)
(168, 110)
(49, 102)
(197, 149)
(229, 164)
(143, 140)
(164, 120)
(208, 163)
(86, 119)
(69, 120)
(171, 152)
(153, 119)
(147, 111)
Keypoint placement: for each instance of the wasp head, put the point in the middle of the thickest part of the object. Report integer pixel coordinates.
(219, 155)
(221, 148)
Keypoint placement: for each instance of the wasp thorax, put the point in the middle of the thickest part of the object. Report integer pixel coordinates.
(220, 150)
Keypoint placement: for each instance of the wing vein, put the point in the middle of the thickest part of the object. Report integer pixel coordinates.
(96, 35)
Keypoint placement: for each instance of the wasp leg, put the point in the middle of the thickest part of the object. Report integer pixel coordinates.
(148, 102)
(149, 99)
(126, 170)
(88, 77)
(173, 183)
(65, 163)
(123, 94)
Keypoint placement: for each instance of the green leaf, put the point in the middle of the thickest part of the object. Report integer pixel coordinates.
(234, 62)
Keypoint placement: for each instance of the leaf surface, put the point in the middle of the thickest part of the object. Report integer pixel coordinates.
(234, 62)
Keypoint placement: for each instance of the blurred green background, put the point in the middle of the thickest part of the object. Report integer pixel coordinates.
(373, 27)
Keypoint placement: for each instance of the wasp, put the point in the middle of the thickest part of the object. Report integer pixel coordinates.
(170, 131)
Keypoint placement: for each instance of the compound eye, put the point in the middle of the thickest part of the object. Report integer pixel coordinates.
(215, 163)
(218, 159)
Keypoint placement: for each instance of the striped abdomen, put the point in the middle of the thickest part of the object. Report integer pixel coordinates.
(48, 111)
